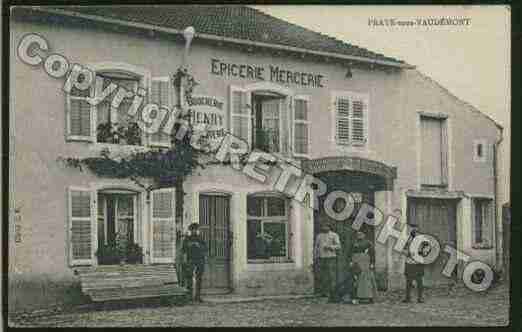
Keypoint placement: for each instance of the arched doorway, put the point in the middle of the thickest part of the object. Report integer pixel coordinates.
(361, 178)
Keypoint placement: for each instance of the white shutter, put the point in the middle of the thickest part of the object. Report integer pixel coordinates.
(80, 115)
(82, 215)
(240, 114)
(301, 129)
(162, 93)
(342, 123)
(162, 202)
(358, 122)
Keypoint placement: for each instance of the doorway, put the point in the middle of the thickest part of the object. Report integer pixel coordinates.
(117, 218)
(214, 222)
(438, 218)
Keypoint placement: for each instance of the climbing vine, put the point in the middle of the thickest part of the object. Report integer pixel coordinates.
(166, 167)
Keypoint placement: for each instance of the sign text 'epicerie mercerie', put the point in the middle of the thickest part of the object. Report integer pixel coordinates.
(272, 73)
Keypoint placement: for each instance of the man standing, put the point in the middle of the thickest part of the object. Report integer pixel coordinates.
(327, 244)
(413, 270)
(194, 251)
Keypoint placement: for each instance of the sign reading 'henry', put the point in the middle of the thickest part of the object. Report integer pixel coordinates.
(276, 73)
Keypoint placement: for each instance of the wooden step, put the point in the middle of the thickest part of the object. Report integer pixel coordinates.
(136, 292)
(127, 282)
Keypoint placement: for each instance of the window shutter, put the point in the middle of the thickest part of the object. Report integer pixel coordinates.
(342, 113)
(358, 122)
(240, 114)
(82, 215)
(163, 223)
(81, 115)
(301, 132)
(161, 94)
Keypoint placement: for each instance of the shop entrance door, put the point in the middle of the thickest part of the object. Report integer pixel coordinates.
(214, 221)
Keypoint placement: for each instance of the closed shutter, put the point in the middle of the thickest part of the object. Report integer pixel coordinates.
(301, 132)
(162, 95)
(163, 224)
(358, 115)
(342, 113)
(81, 115)
(240, 114)
(82, 215)
(433, 161)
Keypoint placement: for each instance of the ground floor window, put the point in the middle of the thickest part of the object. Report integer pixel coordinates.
(267, 228)
(482, 222)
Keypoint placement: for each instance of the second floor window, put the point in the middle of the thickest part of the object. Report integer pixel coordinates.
(266, 122)
(351, 118)
(113, 123)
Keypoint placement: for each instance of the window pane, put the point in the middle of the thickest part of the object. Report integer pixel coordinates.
(162, 205)
(255, 246)
(277, 233)
(125, 205)
(276, 206)
(240, 127)
(255, 206)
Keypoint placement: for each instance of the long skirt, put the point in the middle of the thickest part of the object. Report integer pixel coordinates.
(365, 285)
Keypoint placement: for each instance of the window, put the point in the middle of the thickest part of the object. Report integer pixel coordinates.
(351, 118)
(81, 225)
(113, 124)
(266, 121)
(301, 126)
(101, 121)
(434, 163)
(482, 223)
(479, 151)
(267, 228)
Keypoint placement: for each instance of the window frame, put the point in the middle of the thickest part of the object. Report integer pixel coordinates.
(283, 219)
(485, 243)
(445, 151)
(476, 144)
(92, 134)
(351, 96)
(170, 105)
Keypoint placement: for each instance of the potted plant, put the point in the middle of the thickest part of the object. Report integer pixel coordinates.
(134, 254)
(108, 254)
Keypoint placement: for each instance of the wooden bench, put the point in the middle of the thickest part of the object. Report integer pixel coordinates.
(119, 282)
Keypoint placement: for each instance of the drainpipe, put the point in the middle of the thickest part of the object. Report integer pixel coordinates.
(498, 237)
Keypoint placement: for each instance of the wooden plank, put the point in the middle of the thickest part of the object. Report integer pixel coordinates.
(128, 284)
(141, 292)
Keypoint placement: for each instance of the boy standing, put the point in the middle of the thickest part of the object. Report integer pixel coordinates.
(194, 250)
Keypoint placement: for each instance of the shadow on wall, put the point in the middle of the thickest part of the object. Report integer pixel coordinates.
(27, 295)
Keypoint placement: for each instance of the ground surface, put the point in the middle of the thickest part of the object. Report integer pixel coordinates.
(459, 307)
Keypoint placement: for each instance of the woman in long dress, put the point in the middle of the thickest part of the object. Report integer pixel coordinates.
(363, 259)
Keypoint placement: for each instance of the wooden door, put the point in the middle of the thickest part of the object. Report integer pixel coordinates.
(436, 217)
(214, 221)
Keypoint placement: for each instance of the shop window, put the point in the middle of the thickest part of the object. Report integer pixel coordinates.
(267, 228)
(482, 223)
(351, 118)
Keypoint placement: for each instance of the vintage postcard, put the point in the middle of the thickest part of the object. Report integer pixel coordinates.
(252, 165)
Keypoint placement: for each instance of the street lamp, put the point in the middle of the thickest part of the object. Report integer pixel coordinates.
(188, 33)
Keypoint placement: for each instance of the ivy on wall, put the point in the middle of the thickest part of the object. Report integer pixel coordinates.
(165, 166)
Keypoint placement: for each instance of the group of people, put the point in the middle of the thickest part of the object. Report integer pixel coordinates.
(360, 285)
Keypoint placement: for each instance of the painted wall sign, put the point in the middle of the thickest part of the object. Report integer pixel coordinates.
(272, 73)
(208, 118)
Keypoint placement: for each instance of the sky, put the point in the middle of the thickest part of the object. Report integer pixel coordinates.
(471, 61)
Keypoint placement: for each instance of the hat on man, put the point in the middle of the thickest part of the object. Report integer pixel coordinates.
(194, 226)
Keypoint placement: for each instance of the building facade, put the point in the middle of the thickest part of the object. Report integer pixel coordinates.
(363, 123)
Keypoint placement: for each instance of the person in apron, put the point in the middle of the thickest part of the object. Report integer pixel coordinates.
(363, 260)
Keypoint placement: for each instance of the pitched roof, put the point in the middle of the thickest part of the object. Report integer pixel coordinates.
(240, 23)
